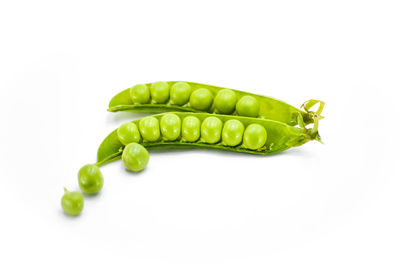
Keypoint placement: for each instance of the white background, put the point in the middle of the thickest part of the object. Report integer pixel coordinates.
(335, 204)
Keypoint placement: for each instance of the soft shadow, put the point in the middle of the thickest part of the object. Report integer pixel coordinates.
(89, 197)
(123, 116)
(297, 152)
(132, 173)
(69, 217)
(290, 152)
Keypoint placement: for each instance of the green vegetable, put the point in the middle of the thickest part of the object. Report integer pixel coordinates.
(170, 125)
(211, 129)
(180, 93)
(135, 157)
(159, 92)
(232, 133)
(90, 178)
(201, 99)
(72, 202)
(150, 129)
(190, 129)
(255, 136)
(248, 106)
(202, 130)
(225, 101)
(140, 94)
(196, 97)
(128, 133)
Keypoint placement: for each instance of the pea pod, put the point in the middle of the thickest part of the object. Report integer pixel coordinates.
(203, 130)
(196, 97)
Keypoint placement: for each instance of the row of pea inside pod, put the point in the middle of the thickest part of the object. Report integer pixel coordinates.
(181, 94)
(210, 130)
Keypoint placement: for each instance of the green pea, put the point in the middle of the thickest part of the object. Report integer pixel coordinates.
(170, 125)
(160, 92)
(90, 179)
(140, 94)
(190, 129)
(225, 101)
(128, 133)
(248, 106)
(135, 157)
(232, 133)
(72, 202)
(180, 93)
(201, 99)
(211, 130)
(255, 136)
(149, 129)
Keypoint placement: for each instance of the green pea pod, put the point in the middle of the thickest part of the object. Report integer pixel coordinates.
(196, 97)
(268, 136)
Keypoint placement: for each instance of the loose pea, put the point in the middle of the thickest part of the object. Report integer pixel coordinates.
(140, 94)
(90, 179)
(160, 92)
(128, 133)
(135, 157)
(232, 133)
(170, 125)
(248, 106)
(211, 130)
(201, 99)
(180, 93)
(255, 136)
(225, 101)
(72, 202)
(149, 129)
(190, 129)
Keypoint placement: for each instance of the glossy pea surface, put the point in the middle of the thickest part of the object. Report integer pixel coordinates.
(128, 133)
(72, 202)
(140, 94)
(254, 137)
(170, 125)
(191, 129)
(90, 179)
(232, 133)
(201, 99)
(135, 157)
(149, 129)
(159, 92)
(211, 130)
(225, 101)
(248, 106)
(180, 93)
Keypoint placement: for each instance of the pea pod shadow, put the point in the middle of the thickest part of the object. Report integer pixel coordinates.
(292, 152)
(124, 116)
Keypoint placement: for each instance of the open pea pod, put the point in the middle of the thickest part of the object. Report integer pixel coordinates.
(180, 130)
(196, 97)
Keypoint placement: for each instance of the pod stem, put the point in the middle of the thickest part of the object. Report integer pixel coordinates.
(66, 191)
(312, 102)
(314, 130)
(315, 115)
